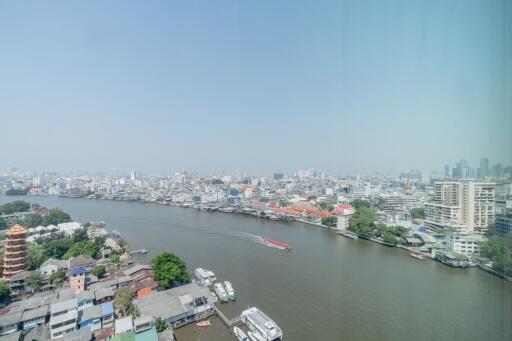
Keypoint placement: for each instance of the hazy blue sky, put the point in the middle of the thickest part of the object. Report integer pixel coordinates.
(256, 85)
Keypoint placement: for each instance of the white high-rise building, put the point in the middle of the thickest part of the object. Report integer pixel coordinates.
(465, 206)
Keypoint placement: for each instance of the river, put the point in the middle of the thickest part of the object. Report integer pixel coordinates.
(326, 288)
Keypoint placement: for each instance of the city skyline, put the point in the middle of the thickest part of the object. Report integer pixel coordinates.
(345, 87)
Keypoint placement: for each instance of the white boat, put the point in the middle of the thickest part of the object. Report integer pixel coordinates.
(202, 277)
(211, 275)
(240, 335)
(261, 325)
(230, 290)
(255, 336)
(221, 293)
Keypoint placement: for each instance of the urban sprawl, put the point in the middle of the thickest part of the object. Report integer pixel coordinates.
(63, 278)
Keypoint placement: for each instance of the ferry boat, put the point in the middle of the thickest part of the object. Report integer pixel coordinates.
(277, 244)
(202, 277)
(230, 290)
(240, 335)
(221, 293)
(261, 326)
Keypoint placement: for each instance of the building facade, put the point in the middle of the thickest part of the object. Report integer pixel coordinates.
(465, 206)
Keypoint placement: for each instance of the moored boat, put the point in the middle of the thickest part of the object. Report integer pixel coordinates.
(202, 277)
(417, 255)
(240, 335)
(204, 323)
(230, 291)
(261, 326)
(277, 244)
(221, 293)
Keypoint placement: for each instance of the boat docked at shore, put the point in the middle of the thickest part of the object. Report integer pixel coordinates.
(417, 255)
(261, 326)
(240, 335)
(203, 277)
(205, 323)
(230, 291)
(348, 234)
(221, 292)
(277, 244)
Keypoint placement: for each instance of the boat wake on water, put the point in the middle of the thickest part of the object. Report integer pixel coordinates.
(265, 241)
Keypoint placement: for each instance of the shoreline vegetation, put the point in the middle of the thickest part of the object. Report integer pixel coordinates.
(497, 251)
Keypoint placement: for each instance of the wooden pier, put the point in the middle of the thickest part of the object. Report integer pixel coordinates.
(229, 323)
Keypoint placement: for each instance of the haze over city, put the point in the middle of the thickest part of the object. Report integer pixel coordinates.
(343, 86)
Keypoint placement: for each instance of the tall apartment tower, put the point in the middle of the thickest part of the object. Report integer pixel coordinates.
(465, 206)
(15, 254)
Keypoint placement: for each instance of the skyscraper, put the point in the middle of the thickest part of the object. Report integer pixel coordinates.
(484, 168)
(447, 171)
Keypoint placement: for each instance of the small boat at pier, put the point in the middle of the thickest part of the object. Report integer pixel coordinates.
(277, 244)
(240, 335)
(230, 290)
(221, 293)
(204, 323)
(417, 255)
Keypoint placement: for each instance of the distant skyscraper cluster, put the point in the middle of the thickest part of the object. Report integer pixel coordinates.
(463, 170)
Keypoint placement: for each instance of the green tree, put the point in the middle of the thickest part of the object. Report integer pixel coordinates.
(169, 270)
(359, 203)
(57, 248)
(5, 292)
(123, 300)
(499, 251)
(58, 277)
(389, 238)
(99, 271)
(86, 248)
(122, 243)
(418, 213)
(3, 224)
(17, 191)
(36, 256)
(329, 221)
(80, 235)
(34, 281)
(160, 324)
(56, 216)
(32, 220)
(363, 222)
(115, 259)
(14, 206)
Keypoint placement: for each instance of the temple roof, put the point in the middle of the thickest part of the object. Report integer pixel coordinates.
(16, 230)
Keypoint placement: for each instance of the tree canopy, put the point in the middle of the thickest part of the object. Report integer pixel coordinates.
(123, 300)
(499, 251)
(5, 292)
(56, 216)
(15, 206)
(169, 270)
(363, 222)
(418, 213)
(358, 203)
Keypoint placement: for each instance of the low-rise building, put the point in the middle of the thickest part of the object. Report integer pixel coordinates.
(91, 317)
(464, 244)
(178, 306)
(51, 266)
(63, 318)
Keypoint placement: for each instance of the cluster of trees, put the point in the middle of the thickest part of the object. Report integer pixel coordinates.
(55, 216)
(5, 292)
(499, 251)
(17, 191)
(418, 213)
(363, 220)
(391, 234)
(15, 206)
(61, 246)
(330, 221)
(170, 270)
